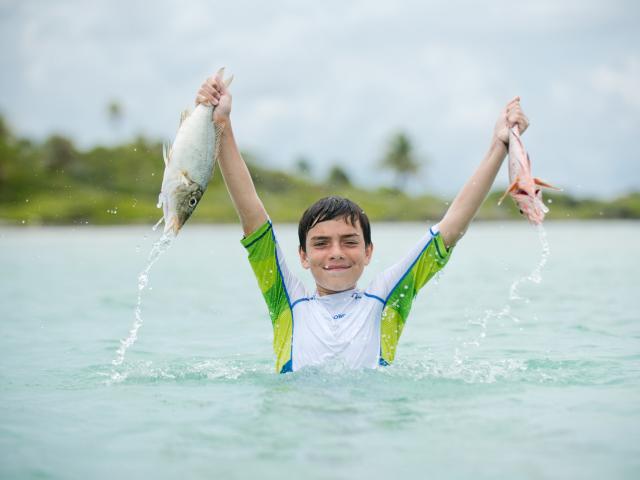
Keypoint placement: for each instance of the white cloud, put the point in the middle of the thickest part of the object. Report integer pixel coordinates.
(622, 81)
(333, 79)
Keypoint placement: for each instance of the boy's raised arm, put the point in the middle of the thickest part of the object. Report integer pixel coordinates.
(236, 175)
(464, 207)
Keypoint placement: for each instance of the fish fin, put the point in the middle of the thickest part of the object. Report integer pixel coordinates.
(542, 183)
(183, 116)
(184, 176)
(166, 153)
(511, 188)
(155, 227)
(228, 81)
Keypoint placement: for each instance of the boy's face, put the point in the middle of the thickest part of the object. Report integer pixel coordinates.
(336, 255)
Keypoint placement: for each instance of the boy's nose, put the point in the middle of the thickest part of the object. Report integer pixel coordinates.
(336, 252)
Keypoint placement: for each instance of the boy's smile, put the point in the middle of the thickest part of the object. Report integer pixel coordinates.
(336, 255)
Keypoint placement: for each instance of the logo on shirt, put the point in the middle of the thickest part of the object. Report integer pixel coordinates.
(339, 316)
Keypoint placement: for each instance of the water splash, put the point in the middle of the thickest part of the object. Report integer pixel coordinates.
(506, 310)
(536, 274)
(186, 370)
(476, 372)
(157, 250)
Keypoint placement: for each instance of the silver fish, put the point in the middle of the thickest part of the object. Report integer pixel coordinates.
(189, 165)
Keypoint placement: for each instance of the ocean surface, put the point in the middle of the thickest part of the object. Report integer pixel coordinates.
(518, 361)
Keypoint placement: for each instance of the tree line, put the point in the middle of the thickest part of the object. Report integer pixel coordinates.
(53, 181)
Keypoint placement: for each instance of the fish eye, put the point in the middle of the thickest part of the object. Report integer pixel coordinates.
(193, 201)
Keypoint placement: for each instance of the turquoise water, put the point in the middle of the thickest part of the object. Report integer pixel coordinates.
(542, 385)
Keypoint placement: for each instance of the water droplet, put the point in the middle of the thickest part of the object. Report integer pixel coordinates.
(549, 200)
(23, 222)
(27, 200)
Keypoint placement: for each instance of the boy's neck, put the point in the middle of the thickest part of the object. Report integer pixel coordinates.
(321, 292)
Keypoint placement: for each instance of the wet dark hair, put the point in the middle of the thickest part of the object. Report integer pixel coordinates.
(329, 208)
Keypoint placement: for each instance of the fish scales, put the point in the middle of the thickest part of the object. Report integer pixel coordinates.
(195, 146)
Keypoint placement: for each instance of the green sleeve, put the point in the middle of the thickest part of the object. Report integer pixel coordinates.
(264, 256)
(398, 304)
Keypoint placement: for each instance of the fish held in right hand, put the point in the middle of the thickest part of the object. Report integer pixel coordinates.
(524, 188)
(189, 164)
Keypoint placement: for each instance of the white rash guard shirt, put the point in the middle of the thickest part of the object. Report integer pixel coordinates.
(360, 328)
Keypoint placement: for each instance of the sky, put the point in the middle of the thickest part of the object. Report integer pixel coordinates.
(332, 81)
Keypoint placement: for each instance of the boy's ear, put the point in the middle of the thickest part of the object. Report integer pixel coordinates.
(368, 253)
(303, 258)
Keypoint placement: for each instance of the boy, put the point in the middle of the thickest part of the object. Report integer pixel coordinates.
(359, 327)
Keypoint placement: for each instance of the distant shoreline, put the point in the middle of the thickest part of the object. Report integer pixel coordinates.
(54, 183)
(27, 225)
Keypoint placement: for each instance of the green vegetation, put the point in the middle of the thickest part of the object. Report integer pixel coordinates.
(53, 182)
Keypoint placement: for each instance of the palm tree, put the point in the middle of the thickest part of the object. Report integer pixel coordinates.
(303, 166)
(401, 159)
(115, 113)
(338, 177)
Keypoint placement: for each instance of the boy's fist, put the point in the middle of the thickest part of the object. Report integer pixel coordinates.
(215, 91)
(510, 116)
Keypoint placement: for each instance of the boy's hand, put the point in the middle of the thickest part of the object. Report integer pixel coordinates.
(510, 116)
(215, 91)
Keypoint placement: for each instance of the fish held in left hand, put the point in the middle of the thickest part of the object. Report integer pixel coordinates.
(524, 188)
(189, 165)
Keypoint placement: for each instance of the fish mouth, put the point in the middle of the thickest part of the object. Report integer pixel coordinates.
(533, 208)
